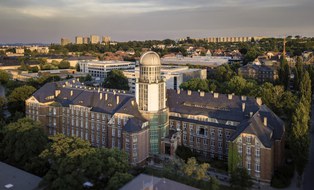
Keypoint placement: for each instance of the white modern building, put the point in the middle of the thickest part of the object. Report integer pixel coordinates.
(99, 69)
(173, 75)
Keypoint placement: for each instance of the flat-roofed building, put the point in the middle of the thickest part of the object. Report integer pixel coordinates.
(94, 39)
(106, 39)
(65, 41)
(78, 40)
(100, 69)
(173, 75)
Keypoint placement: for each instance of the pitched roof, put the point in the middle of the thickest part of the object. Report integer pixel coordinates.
(255, 126)
(207, 105)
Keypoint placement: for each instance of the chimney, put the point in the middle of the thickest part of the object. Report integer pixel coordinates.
(71, 93)
(251, 114)
(243, 98)
(243, 107)
(100, 96)
(259, 101)
(106, 97)
(216, 95)
(202, 93)
(178, 91)
(57, 92)
(118, 99)
(265, 121)
(229, 96)
(189, 92)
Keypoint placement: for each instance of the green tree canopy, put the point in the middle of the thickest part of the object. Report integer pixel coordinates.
(17, 98)
(234, 159)
(64, 64)
(116, 79)
(195, 84)
(240, 179)
(193, 169)
(23, 141)
(74, 162)
(4, 77)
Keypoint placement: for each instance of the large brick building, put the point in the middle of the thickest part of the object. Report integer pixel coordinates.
(157, 121)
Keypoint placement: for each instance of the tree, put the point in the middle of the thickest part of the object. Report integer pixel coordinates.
(193, 169)
(18, 96)
(195, 84)
(77, 67)
(184, 152)
(4, 77)
(234, 158)
(298, 73)
(240, 179)
(116, 79)
(64, 64)
(305, 89)
(23, 141)
(74, 162)
(284, 72)
(118, 180)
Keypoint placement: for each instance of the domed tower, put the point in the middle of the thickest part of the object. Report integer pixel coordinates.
(151, 98)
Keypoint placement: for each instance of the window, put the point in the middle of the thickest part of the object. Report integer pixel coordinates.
(212, 133)
(171, 124)
(205, 141)
(220, 134)
(257, 167)
(113, 132)
(240, 148)
(184, 137)
(191, 130)
(191, 138)
(198, 140)
(248, 139)
(227, 134)
(248, 165)
(248, 151)
(257, 152)
(201, 131)
(212, 143)
(184, 126)
(178, 125)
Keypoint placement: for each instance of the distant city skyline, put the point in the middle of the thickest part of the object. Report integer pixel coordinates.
(35, 21)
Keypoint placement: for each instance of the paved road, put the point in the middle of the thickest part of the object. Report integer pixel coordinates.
(308, 180)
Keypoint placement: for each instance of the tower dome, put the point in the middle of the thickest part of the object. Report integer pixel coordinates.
(150, 58)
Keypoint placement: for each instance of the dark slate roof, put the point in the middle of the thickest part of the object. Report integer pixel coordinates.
(133, 125)
(219, 108)
(47, 90)
(88, 98)
(255, 126)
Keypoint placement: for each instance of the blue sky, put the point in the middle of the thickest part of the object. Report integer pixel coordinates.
(47, 21)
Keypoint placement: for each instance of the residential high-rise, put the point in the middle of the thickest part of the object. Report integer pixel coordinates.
(65, 41)
(106, 39)
(86, 40)
(78, 40)
(94, 39)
